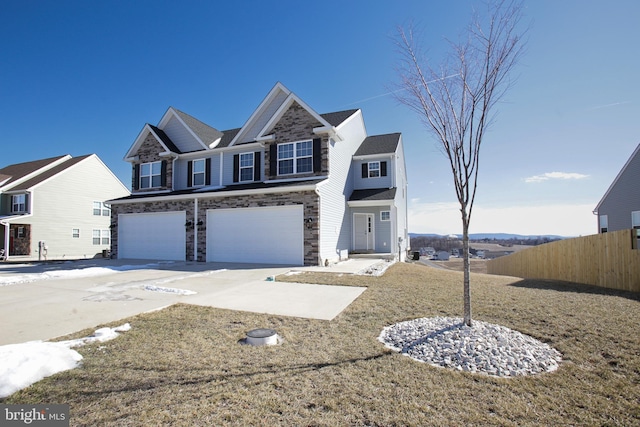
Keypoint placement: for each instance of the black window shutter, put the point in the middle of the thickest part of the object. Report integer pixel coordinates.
(236, 167)
(189, 173)
(317, 155)
(383, 168)
(256, 166)
(365, 170)
(135, 182)
(273, 160)
(163, 173)
(207, 172)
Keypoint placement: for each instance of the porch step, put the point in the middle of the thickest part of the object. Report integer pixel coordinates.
(385, 256)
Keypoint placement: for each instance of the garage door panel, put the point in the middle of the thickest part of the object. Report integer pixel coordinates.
(158, 236)
(270, 235)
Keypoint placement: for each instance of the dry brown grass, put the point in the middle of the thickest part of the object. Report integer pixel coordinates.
(184, 366)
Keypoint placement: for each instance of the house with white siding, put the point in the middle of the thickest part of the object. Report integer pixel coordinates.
(56, 208)
(619, 208)
(291, 186)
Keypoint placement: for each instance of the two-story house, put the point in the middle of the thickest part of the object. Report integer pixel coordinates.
(56, 208)
(291, 186)
(619, 208)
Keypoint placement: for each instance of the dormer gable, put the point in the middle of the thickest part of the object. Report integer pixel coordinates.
(165, 145)
(188, 133)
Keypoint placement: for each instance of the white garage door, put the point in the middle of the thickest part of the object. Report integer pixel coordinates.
(158, 236)
(266, 235)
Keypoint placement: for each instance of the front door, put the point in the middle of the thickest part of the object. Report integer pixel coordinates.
(363, 232)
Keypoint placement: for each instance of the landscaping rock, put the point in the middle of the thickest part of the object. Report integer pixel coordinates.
(483, 348)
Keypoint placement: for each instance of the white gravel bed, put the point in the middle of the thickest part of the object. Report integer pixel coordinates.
(483, 348)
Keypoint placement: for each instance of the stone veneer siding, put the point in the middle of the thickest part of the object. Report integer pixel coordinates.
(149, 152)
(309, 199)
(297, 125)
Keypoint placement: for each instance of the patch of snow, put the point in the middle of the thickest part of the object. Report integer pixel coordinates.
(164, 290)
(377, 269)
(483, 348)
(70, 273)
(24, 364)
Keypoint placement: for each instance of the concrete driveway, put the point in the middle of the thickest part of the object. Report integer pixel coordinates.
(55, 299)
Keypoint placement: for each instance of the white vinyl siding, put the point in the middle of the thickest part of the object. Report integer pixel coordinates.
(79, 186)
(335, 220)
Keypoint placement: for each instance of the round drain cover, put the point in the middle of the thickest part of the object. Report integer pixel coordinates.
(262, 336)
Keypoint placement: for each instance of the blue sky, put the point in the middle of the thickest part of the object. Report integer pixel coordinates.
(82, 77)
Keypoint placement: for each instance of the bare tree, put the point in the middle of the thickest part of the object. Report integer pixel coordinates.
(456, 99)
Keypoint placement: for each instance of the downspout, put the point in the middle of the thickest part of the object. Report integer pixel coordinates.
(6, 239)
(195, 229)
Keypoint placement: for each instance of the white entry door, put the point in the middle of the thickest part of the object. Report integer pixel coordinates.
(363, 232)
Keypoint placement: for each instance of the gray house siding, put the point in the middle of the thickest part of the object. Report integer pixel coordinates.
(623, 197)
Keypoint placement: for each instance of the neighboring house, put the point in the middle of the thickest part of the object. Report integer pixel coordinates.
(619, 208)
(442, 256)
(56, 208)
(290, 186)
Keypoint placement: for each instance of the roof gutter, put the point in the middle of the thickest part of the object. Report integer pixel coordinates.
(218, 194)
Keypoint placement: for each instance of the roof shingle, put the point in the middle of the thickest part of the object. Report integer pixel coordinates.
(379, 144)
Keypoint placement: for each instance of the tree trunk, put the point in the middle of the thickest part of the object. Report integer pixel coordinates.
(467, 269)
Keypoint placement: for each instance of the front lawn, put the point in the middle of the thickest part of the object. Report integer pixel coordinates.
(184, 366)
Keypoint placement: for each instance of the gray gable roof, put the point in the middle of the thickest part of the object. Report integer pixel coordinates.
(20, 170)
(372, 194)
(227, 137)
(206, 133)
(379, 144)
(338, 117)
(49, 173)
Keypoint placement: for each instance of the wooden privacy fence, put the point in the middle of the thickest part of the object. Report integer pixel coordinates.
(610, 260)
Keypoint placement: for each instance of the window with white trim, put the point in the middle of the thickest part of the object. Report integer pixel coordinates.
(100, 208)
(246, 166)
(295, 157)
(385, 215)
(374, 169)
(635, 220)
(199, 172)
(75, 233)
(19, 203)
(604, 223)
(101, 237)
(150, 175)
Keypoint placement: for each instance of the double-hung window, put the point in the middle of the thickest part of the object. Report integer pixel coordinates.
(246, 166)
(635, 219)
(19, 203)
(198, 177)
(100, 208)
(374, 169)
(295, 158)
(150, 175)
(101, 237)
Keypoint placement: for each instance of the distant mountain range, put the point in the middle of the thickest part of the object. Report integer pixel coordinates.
(497, 236)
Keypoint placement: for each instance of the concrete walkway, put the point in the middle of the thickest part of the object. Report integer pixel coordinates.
(55, 299)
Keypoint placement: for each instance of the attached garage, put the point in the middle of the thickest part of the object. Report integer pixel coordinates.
(159, 236)
(265, 235)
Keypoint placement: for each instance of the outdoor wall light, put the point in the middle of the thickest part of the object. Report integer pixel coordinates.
(200, 222)
(309, 222)
(189, 223)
